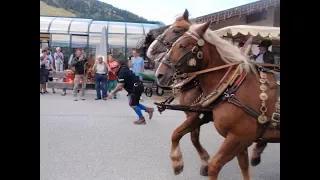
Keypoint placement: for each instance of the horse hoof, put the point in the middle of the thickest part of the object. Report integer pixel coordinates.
(204, 171)
(178, 170)
(255, 161)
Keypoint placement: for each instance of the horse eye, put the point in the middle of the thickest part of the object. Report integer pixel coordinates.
(182, 46)
(176, 31)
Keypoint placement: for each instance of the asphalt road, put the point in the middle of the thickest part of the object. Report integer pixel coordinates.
(96, 140)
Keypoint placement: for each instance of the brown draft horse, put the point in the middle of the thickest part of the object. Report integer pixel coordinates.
(156, 52)
(188, 96)
(213, 59)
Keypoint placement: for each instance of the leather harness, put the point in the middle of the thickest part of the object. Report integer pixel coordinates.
(225, 90)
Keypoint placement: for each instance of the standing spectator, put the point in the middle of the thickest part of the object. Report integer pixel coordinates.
(49, 68)
(59, 59)
(112, 81)
(101, 69)
(45, 65)
(78, 63)
(137, 64)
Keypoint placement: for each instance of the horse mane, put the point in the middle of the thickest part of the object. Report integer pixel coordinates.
(228, 52)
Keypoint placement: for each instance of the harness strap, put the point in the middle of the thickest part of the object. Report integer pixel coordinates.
(184, 75)
(207, 70)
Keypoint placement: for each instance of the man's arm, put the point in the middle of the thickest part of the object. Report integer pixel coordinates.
(44, 60)
(118, 88)
(94, 68)
(129, 63)
(142, 64)
(120, 85)
(74, 61)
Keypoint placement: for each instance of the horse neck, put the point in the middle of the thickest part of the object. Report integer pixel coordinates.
(211, 59)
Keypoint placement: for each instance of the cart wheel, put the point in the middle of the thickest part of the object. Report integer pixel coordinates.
(148, 92)
(159, 91)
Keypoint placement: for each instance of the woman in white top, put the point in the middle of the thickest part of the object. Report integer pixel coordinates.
(101, 76)
(59, 58)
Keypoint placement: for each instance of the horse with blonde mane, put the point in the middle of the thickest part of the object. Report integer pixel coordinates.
(232, 88)
(189, 94)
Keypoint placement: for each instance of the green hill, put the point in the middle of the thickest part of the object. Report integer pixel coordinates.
(92, 9)
(46, 10)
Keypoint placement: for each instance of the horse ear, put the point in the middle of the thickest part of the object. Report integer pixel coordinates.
(203, 27)
(186, 15)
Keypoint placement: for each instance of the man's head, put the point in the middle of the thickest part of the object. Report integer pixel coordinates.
(44, 51)
(114, 66)
(100, 59)
(134, 53)
(58, 49)
(264, 45)
(78, 52)
(110, 58)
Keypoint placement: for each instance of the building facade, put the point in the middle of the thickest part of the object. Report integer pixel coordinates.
(259, 13)
(72, 33)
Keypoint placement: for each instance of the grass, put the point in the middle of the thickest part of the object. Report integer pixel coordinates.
(46, 10)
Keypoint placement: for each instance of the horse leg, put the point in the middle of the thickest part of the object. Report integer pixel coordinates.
(256, 153)
(204, 156)
(188, 125)
(243, 161)
(230, 148)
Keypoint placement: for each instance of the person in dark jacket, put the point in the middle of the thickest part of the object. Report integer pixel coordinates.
(264, 56)
(78, 63)
(134, 86)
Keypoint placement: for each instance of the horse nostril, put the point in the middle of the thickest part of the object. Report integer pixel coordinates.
(160, 76)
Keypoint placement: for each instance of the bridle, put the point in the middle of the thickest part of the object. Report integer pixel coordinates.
(192, 58)
(168, 44)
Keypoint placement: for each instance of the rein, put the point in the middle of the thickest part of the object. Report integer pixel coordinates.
(185, 75)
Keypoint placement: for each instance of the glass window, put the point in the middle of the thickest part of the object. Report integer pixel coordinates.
(80, 26)
(96, 26)
(134, 28)
(116, 44)
(60, 25)
(132, 40)
(116, 27)
(148, 27)
(79, 42)
(94, 41)
(44, 23)
(62, 41)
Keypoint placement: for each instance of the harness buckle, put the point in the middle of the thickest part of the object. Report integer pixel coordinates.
(135, 84)
(194, 49)
(199, 55)
(275, 117)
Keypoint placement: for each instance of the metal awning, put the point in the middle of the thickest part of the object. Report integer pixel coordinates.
(241, 32)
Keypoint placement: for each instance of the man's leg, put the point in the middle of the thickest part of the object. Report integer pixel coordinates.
(109, 86)
(114, 84)
(133, 102)
(147, 109)
(97, 86)
(75, 87)
(61, 66)
(104, 87)
(84, 85)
